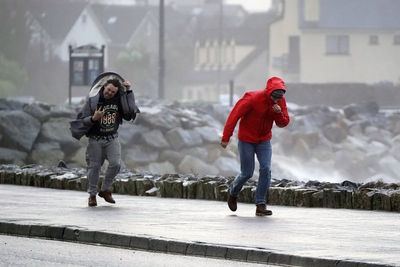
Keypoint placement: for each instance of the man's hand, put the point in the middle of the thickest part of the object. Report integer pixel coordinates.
(127, 85)
(276, 108)
(98, 114)
(224, 144)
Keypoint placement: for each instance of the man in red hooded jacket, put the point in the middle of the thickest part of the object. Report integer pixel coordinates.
(257, 111)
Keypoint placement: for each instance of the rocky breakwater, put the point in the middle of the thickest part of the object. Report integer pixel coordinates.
(165, 138)
(349, 195)
(178, 138)
(360, 143)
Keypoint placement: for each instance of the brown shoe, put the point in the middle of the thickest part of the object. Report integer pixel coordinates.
(261, 210)
(107, 196)
(92, 202)
(232, 202)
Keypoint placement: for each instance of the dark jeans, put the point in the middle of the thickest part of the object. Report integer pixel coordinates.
(247, 151)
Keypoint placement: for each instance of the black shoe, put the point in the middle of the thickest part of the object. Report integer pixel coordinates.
(261, 210)
(232, 202)
(107, 196)
(92, 202)
(62, 164)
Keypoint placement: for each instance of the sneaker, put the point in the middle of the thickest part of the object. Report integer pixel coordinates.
(232, 202)
(261, 210)
(92, 202)
(107, 196)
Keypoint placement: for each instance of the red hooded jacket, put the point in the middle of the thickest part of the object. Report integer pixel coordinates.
(256, 115)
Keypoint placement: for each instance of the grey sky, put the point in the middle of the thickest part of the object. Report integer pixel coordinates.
(252, 5)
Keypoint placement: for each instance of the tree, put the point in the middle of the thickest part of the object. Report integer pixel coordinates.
(14, 31)
(13, 78)
(14, 42)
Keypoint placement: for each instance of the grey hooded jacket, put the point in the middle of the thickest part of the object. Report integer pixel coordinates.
(83, 122)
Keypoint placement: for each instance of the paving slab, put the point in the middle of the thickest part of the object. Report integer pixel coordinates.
(303, 236)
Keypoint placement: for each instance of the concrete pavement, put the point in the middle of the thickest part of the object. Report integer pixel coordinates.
(293, 236)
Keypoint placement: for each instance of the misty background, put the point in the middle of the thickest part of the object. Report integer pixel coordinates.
(341, 67)
(316, 46)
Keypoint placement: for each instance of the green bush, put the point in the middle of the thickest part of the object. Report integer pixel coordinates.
(7, 88)
(13, 78)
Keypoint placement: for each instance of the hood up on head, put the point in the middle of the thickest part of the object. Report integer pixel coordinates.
(275, 83)
(101, 80)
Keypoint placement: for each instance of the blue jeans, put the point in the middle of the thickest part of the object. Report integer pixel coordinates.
(264, 153)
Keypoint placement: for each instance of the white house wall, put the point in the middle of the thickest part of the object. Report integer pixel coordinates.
(365, 63)
(279, 32)
(83, 32)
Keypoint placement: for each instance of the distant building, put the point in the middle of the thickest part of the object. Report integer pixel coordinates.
(55, 25)
(202, 52)
(133, 47)
(58, 24)
(238, 52)
(329, 41)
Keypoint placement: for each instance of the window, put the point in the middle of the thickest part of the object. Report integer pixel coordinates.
(190, 94)
(224, 56)
(396, 40)
(337, 45)
(208, 52)
(197, 54)
(373, 40)
(233, 54)
(93, 69)
(293, 58)
(149, 29)
(216, 54)
(78, 72)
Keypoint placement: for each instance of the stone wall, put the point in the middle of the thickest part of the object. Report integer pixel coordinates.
(166, 137)
(348, 195)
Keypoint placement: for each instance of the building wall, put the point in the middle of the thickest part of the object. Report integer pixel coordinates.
(365, 63)
(207, 58)
(279, 32)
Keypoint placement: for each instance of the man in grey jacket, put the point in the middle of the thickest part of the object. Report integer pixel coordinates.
(101, 115)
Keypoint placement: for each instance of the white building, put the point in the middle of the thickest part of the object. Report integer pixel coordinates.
(330, 41)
